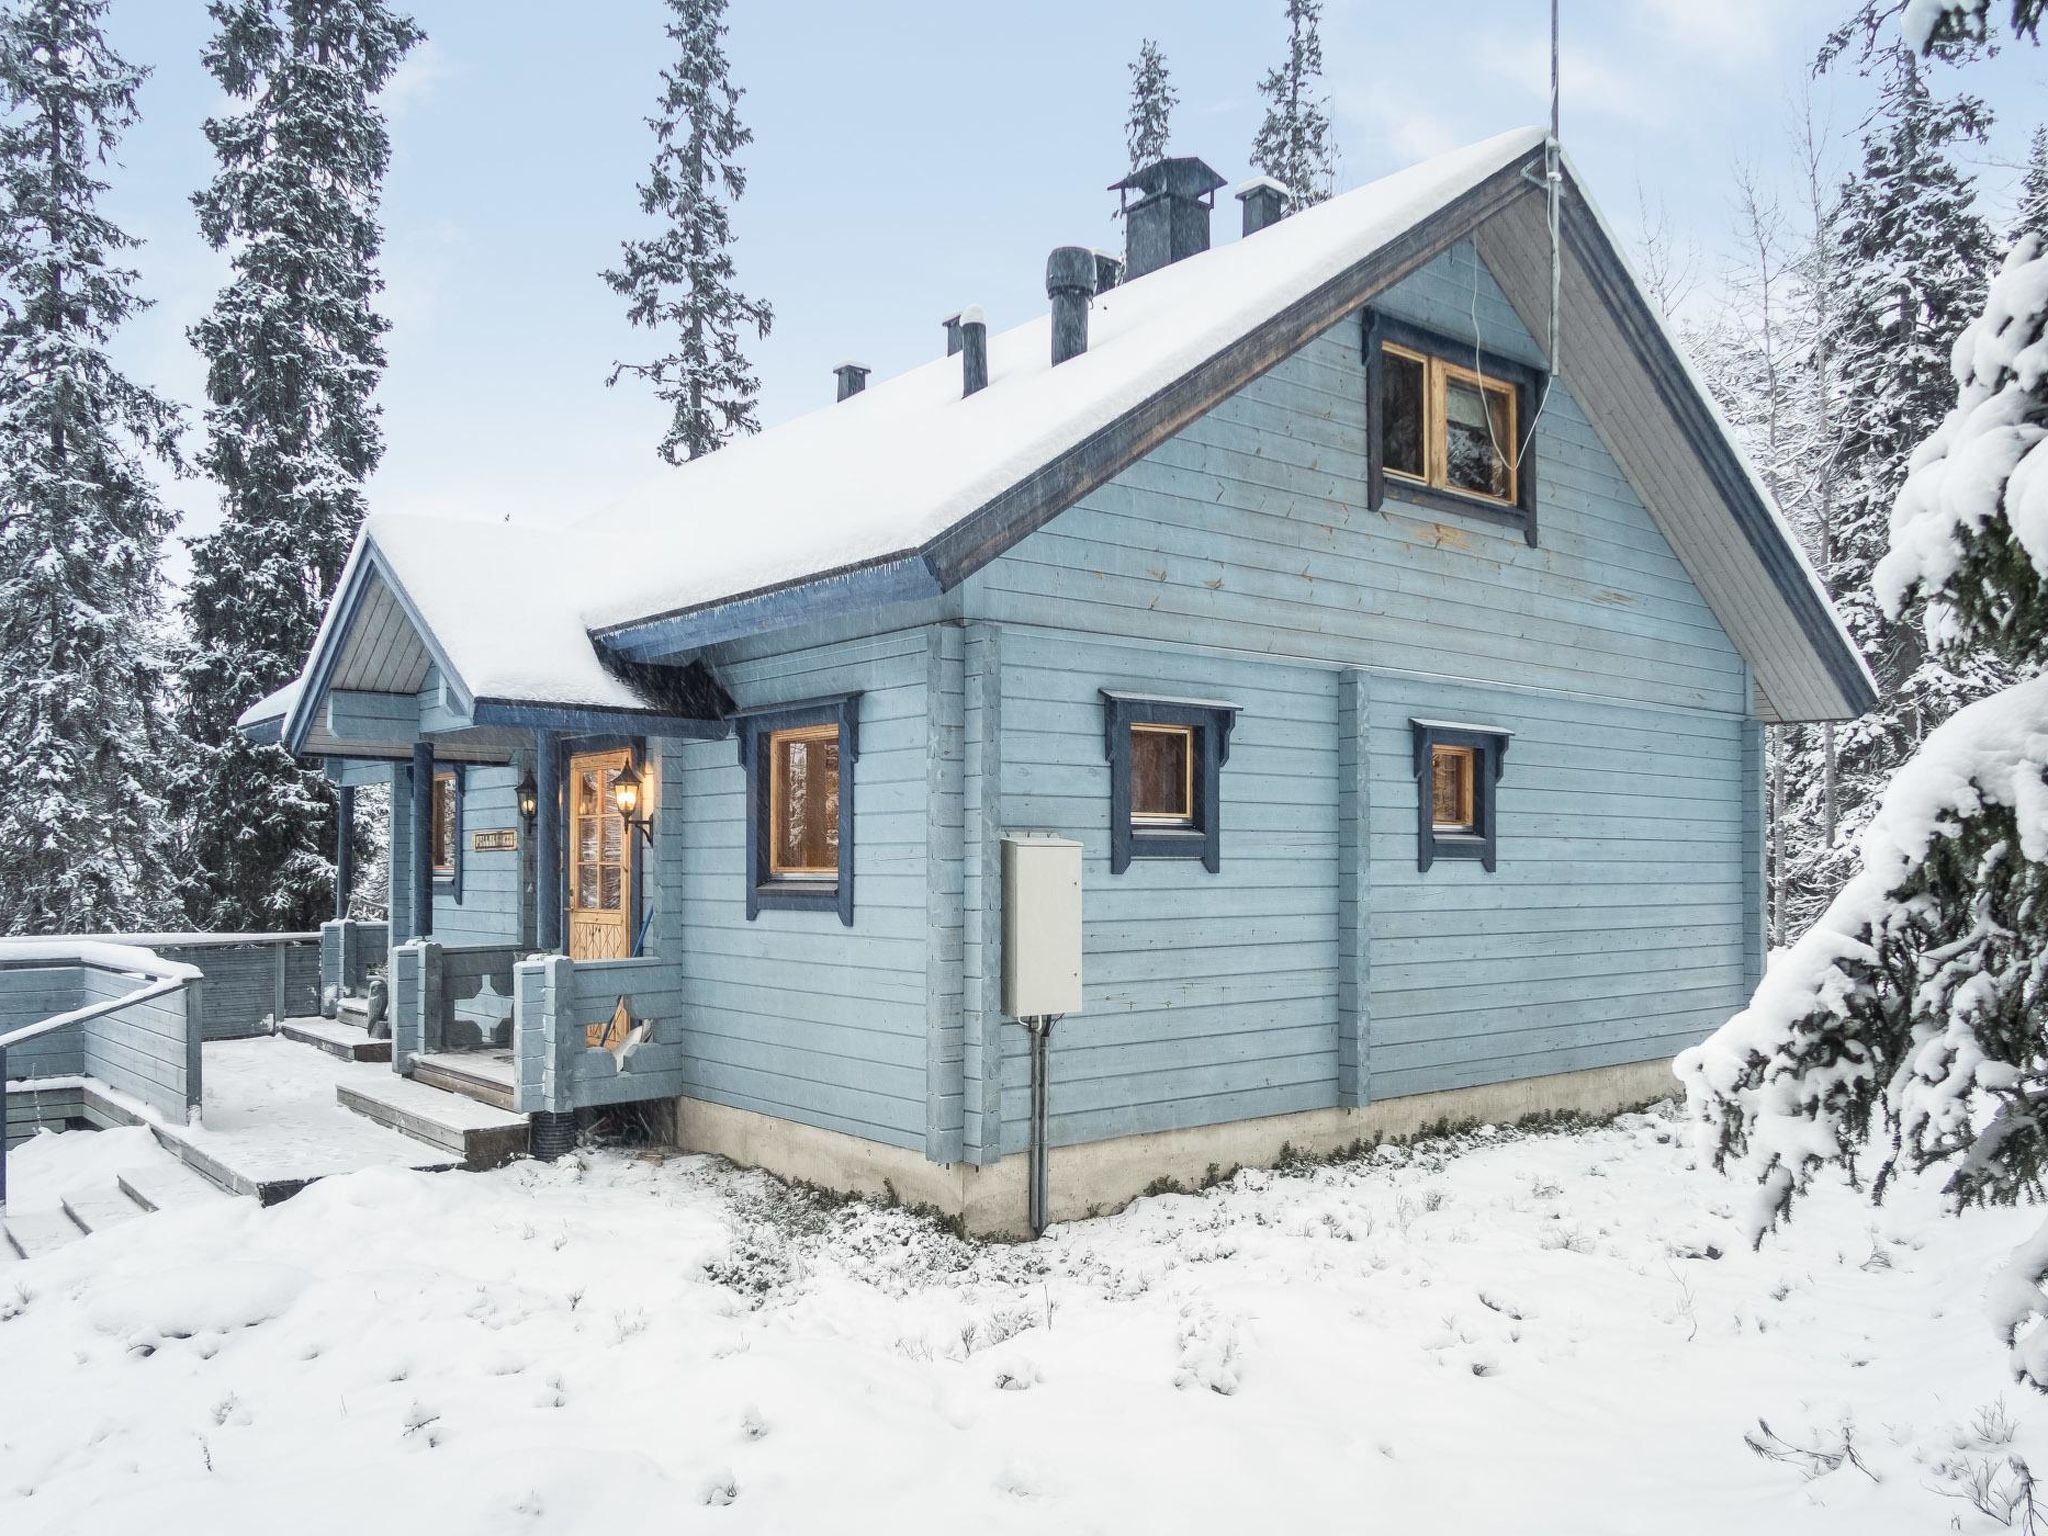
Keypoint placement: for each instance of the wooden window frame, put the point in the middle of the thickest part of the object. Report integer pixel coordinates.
(1177, 819)
(1467, 823)
(768, 889)
(777, 870)
(1439, 356)
(1208, 723)
(1489, 748)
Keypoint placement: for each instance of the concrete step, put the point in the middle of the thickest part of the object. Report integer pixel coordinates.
(481, 1135)
(336, 1037)
(168, 1186)
(95, 1210)
(352, 1010)
(472, 1074)
(31, 1234)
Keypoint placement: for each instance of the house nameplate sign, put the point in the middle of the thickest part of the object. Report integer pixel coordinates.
(494, 840)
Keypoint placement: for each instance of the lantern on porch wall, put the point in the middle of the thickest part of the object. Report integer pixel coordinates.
(528, 794)
(626, 789)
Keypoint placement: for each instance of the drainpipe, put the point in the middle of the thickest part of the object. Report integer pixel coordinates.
(422, 839)
(547, 846)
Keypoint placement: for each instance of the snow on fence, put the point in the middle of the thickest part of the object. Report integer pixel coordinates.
(115, 1013)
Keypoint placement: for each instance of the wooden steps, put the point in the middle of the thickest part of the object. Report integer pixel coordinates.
(337, 1037)
(96, 1210)
(473, 1074)
(482, 1135)
(31, 1234)
(168, 1186)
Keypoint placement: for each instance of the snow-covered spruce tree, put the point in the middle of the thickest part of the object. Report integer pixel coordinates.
(1153, 99)
(294, 349)
(85, 842)
(1915, 256)
(1917, 1006)
(679, 282)
(1295, 144)
(2030, 217)
(1950, 29)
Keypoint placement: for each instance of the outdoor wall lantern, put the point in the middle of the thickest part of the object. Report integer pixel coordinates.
(626, 798)
(529, 799)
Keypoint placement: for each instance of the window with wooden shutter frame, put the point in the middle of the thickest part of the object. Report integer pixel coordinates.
(445, 830)
(803, 803)
(1453, 775)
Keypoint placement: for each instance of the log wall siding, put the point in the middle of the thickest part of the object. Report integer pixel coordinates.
(488, 904)
(1239, 562)
(793, 1013)
(1318, 966)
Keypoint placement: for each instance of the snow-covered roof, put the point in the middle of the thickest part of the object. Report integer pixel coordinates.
(272, 707)
(877, 478)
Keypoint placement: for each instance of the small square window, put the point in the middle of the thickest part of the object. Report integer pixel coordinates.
(799, 760)
(1163, 775)
(1447, 422)
(1456, 769)
(1452, 777)
(804, 803)
(1166, 760)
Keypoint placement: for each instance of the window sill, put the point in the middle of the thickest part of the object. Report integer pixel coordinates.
(1151, 843)
(1459, 845)
(795, 895)
(1435, 499)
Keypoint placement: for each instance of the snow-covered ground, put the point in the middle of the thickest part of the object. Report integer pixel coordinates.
(1527, 1334)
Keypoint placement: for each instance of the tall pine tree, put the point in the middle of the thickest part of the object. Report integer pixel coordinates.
(85, 844)
(1915, 257)
(2031, 216)
(679, 281)
(1153, 99)
(294, 350)
(1915, 1008)
(1295, 144)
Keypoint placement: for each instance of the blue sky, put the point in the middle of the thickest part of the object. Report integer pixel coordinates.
(908, 158)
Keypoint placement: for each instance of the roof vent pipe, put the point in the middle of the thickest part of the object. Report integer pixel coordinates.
(952, 334)
(852, 379)
(1069, 283)
(1109, 271)
(1265, 202)
(973, 350)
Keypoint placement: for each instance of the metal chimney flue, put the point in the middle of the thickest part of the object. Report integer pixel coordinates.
(853, 378)
(1170, 219)
(1069, 283)
(973, 350)
(1265, 202)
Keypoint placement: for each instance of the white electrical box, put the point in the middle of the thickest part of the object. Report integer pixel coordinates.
(1041, 925)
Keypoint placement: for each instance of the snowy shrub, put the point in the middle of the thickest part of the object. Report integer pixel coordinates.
(1914, 1007)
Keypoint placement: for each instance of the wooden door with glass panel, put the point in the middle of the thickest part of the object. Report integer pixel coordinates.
(600, 860)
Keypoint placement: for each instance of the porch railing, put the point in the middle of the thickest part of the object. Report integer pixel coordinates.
(116, 1014)
(450, 997)
(558, 1002)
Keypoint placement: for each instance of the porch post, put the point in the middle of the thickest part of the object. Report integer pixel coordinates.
(344, 850)
(547, 846)
(422, 839)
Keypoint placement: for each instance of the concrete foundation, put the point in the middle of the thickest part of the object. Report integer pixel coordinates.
(1102, 1176)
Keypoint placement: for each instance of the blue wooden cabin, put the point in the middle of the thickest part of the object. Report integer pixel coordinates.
(1403, 684)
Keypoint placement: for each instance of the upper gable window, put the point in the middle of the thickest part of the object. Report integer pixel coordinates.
(1447, 424)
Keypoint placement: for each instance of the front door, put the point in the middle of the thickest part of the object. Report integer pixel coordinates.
(601, 861)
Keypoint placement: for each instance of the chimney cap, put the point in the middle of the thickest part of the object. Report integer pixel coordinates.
(1177, 175)
(1071, 267)
(969, 314)
(1257, 184)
